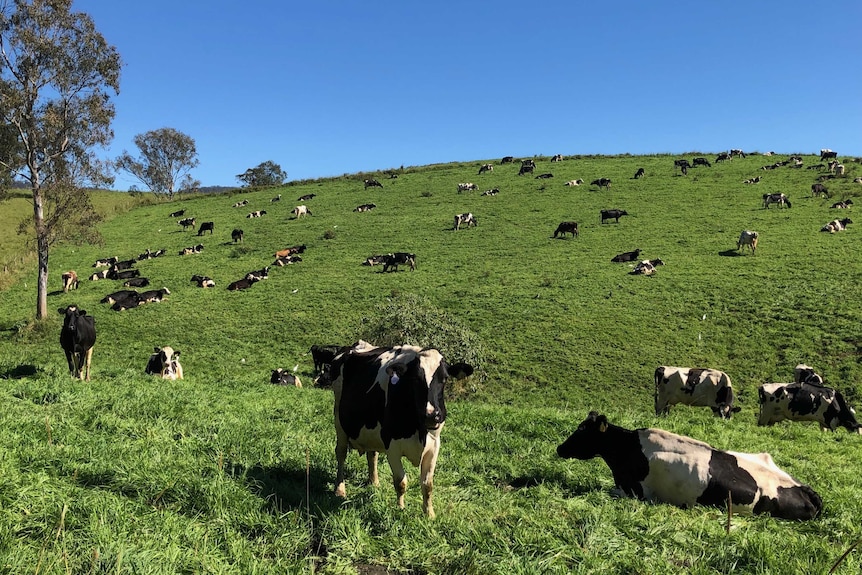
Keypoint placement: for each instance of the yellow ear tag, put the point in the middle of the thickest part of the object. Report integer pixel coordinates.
(603, 427)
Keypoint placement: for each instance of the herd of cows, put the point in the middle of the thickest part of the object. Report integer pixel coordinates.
(391, 399)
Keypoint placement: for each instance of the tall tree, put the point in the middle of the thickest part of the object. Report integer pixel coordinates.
(265, 174)
(56, 72)
(167, 157)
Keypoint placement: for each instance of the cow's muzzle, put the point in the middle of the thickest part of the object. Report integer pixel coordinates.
(433, 417)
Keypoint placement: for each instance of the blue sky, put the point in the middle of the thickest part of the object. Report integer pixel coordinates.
(325, 88)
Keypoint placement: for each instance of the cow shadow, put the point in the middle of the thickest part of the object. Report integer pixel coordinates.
(547, 477)
(287, 489)
(730, 253)
(19, 372)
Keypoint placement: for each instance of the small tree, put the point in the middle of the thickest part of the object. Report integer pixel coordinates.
(266, 174)
(167, 157)
(55, 74)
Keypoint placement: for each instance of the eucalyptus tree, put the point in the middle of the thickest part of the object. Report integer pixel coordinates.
(57, 74)
(264, 174)
(167, 157)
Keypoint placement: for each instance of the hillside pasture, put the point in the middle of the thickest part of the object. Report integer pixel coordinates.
(224, 472)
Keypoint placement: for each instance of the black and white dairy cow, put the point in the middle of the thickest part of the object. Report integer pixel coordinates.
(77, 337)
(656, 465)
(465, 220)
(702, 387)
(165, 363)
(805, 402)
(390, 400)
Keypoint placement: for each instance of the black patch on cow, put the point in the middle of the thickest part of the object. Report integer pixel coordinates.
(804, 401)
(799, 502)
(693, 379)
(726, 476)
(405, 410)
(362, 399)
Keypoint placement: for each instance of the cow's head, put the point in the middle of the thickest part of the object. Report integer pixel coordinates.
(587, 440)
(71, 314)
(168, 361)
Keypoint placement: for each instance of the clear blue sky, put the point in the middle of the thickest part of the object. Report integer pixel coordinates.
(325, 88)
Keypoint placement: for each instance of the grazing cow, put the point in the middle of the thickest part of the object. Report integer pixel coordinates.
(738, 153)
(242, 284)
(113, 298)
(507, 160)
(656, 465)
(286, 260)
(292, 250)
(827, 154)
(806, 402)
(832, 165)
(300, 211)
(324, 355)
(752, 180)
(747, 238)
(70, 280)
(528, 169)
(602, 183)
(466, 187)
(283, 377)
(165, 363)
(639, 174)
(646, 267)
(372, 183)
(836, 225)
(399, 258)
(530, 163)
(276, 198)
(466, 220)
(805, 374)
(574, 182)
(390, 400)
(187, 223)
(486, 168)
(237, 235)
(722, 157)
(123, 275)
(177, 214)
(240, 204)
(256, 214)
(702, 387)
(364, 208)
(203, 281)
(306, 197)
(107, 262)
(626, 256)
(375, 260)
(192, 250)
(701, 162)
(843, 204)
(100, 275)
(777, 198)
(567, 228)
(613, 214)
(137, 282)
(491, 192)
(206, 227)
(819, 190)
(557, 158)
(77, 337)
(682, 165)
(154, 296)
(258, 275)
(544, 176)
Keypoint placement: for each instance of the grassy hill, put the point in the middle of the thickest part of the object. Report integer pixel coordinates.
(223, 472)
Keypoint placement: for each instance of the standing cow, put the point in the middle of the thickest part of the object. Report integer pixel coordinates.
(390, 400)
(805, 402)
(702, 387)
(747, 238)
(656, 465)
(77, 338)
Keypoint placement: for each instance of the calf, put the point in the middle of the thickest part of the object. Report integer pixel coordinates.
(283, 377)
(286, 260)
(486, 168)
(206, 227)
(372, 183)
(805, 374)
(574, 182)
(237, 235)
(258, 275)
(156, 295)
(491, 192)
(805, 402)
(257, 214)
(240, 204)
(466, 220)
(290, 251)
(836, 225)
(747, 238)
(77, 338)
(777, 198)
(639, 174)
(137, 282)
(646, 267)
(567, 228)
(242, 284)
(626, 256)
(300, 211)
(701, 387)
(602, 183)
(177, 214)
(399, 258)
(70, 280)
(192, 250)
(364, 208)
(165, 363)
(612, 214)
(306, 197)
(187, 223)
(203, 281)
(657, 465)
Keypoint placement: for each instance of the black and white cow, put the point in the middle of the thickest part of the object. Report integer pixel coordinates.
(133, 300)
(257, 214)
(399, 258)
(682, 164)
(99, 275)
(300, 211)
(486, 168)
(206, 227)
(577, 182)
(806, 402)
(242, 284)
(137, 282)
(656, 465)
(545, 176)
(467, 187)
(602, 183)
(612, 215)
(777, 198)
(819, 190)
(723, 157)
(805, 374)
(836, 225)
(286, 261)
(507, 160)
(187, 223)
(738, 153)
(375, 260)
(165, 363)
(701, 387)
(192, 250)
(240, 204)
(491, 192)
(113, 298)
(372, 183)
(701, 162)
(639, 174)
(364, 208)
(390, 400)
(123, 275)
(202, 281)
(306, 197)
(237, 235)
(177, 214)
(275, 198)
(843, 204)
(106, 263)
(626, 256)
(747, 238)
(827, 154)
(77, 338)
(466, 220)
(154, 295)
(646, 267)
(567, 228)
(324, 355)
(258, 275)
(122, 265)
(281, 376)
(526, 169)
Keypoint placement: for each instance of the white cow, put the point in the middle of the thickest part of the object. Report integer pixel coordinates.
(747, 238)
(300, 211)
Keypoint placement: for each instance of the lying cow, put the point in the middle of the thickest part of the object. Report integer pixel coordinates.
(656, 465)
(390, 400)
(364, 208)
(626, 256)
(465, 220)
(70, 280)
(491, 192)
(305, 197)
(257, 214)
(123, 275)
(177, 214)
(192, 250)
(258, 275)
(155, 295)
(242, 284)
(701, 387)
(574, 182)
(842, 205)
(113, 298)
(132, 301)
(240, 204)
(283, 377)
(567, 228)
(286, 261)
(646, 267)
(100, 275)
(836, 225)
(137, 282)
(106, 263)
(292, 250)
(202, 281)
(544, 176)
(805, 402)
(747, 238)
(602, 183)
(165, 363)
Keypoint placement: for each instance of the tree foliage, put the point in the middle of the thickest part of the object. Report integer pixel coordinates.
(167, 157)
(56, 75)
(267, 173)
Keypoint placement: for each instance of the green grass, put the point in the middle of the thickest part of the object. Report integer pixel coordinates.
(223, 472)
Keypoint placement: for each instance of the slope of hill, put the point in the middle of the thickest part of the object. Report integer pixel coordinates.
(562, 330)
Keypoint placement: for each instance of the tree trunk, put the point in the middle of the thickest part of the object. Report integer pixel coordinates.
(42, 252)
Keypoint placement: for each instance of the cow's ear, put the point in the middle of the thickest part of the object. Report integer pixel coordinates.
(603, 423)
(157, 349)
(82, 312)
(61, 310)
(176, 353)
(736, 409)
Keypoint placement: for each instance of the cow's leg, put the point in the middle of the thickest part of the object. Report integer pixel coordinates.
(399, 478)
(88, 357)
(429, 463)
(71, 362)
(340, 457)
(373, 479)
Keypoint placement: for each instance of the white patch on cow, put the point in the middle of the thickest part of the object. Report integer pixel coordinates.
(678, 467)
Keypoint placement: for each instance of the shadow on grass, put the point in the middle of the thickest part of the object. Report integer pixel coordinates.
(287, 489)
(730, 253)
(550, 478)
(19, 372)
